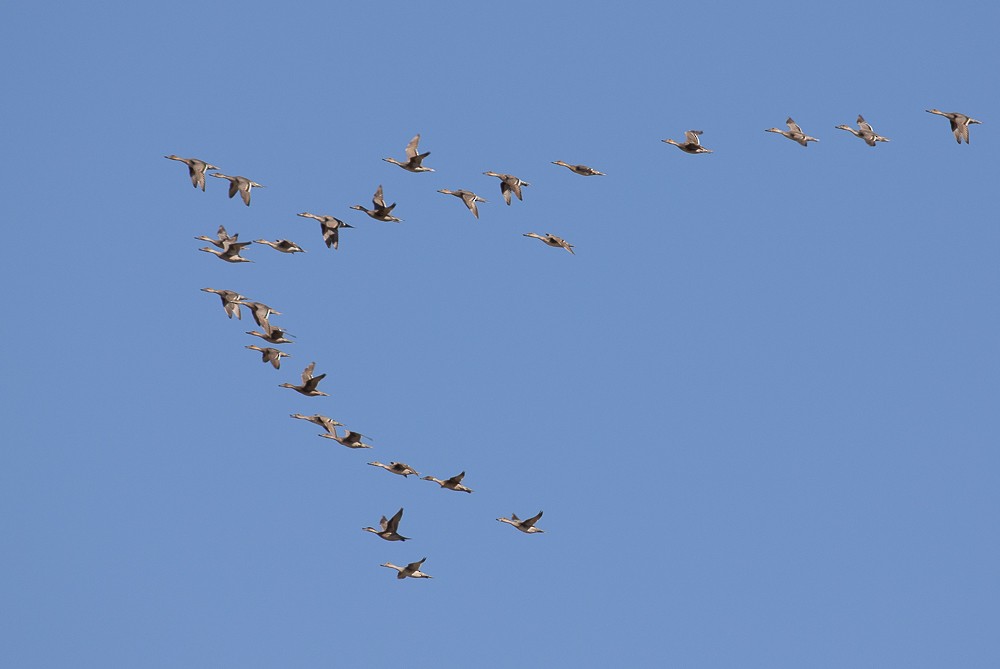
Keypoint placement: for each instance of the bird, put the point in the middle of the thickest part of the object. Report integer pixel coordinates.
(864, 131)
(230, 301)
(309, 383)
(330, 227)
(260, 312)
(959, 123)
(412, 570)
(196, 168)
(691, 145)
(582, 170)
(230, 251)
(351, 440)
(527, 525)
(396, 468)
(240, 185)
(508, 184)
(469, 198)
(413, 159)
(551, 240)
(381, 212)
(794, 133)
(454, 483)
(324, 422)
(390, 527)
(271, 355)
(283, 245)
(221, 239)
(272, 335)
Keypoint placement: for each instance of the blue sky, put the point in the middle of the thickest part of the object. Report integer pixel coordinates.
(758, 406)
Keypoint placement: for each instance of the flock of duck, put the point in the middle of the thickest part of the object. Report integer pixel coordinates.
(228, 248)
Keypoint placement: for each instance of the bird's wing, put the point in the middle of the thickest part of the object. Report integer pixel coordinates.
(394, 521)
(530, 522)
(411, 148)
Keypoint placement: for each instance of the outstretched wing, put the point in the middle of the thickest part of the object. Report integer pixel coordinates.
(393, 524)
(411, 148)
(530, 522)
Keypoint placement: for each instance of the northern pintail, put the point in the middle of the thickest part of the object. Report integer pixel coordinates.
(413, 159)
(196, 169)
(240, 185)
(230, 252)
(396, 468)
(324, 422)
(272, 335)
(283, 245)
(412, 570)
(582, 170)
(390, 528)
(330, 227)
(271, 355)
(309, 383)
(454, 483)
(959, 123)
(509, 184)
(552, 240)
(527, 525)
(381, 212)
(230, 301)
(221, 239)
(260, 312)
(864, 131)
(692, 143)
(351, 440)
(468, 197)
(794, 133)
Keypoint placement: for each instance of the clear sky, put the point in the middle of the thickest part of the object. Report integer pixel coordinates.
(758, 406)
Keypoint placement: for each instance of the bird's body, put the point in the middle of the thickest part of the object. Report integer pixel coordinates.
(468, 197)
(240, 185)
(260, 312)
(959, 123)
(324, 422)
(454, 483)
(411, 570)
(794, 133)
(864, 132)
(309, 383)
(272, 335)
(283, 245)
(350, 440)
(582, 170)
(222, 238)
(527, 525)
(230, 251)
(381, 212)
(413, 159)
(400, 468)
(196, 169)
(509, 184)
(230, 301)
(389, 528)
(271, 355)
(691, 144)
(330, 227)
(551, 240)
